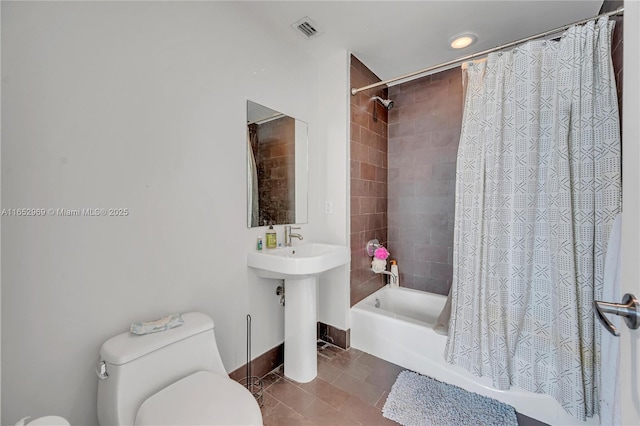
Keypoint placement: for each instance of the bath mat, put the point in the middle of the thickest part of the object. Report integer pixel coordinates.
(419, 400)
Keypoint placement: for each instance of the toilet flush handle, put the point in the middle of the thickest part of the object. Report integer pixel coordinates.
(101, 370)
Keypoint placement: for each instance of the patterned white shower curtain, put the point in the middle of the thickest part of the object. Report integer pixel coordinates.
(538, 186)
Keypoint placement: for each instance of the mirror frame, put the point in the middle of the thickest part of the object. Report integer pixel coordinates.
(259, 114)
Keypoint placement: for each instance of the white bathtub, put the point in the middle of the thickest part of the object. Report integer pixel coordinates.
(400, 331)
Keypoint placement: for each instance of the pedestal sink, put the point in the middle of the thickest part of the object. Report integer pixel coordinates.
(299, 266)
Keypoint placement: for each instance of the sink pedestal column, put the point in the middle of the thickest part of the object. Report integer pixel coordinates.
(300, 267)
(300, 329)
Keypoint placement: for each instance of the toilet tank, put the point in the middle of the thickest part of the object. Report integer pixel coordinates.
(139, 366)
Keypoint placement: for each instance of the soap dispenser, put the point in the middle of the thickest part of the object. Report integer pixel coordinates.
(395, 278)
(272, 238)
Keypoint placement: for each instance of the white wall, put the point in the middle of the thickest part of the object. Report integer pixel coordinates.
(630, 339)
(141, 105)
(0, 244)
(334, 288)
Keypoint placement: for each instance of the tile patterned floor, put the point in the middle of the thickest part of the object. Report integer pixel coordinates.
(351, 388)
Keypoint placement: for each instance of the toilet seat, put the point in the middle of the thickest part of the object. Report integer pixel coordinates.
(203, 398)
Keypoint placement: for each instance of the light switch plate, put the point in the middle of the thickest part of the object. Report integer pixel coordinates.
(328, 207)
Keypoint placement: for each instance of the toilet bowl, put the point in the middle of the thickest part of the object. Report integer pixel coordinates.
(175, 377)
(44, 421)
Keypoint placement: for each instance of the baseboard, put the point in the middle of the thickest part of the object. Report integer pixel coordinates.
(262, 364)
(274, 357)
(333, 335)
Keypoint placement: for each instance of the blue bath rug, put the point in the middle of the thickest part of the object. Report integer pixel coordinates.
(417, 400)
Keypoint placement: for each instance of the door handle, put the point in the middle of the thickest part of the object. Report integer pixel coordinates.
(629, 309)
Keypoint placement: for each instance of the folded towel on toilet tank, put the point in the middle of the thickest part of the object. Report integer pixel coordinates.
(156, 326)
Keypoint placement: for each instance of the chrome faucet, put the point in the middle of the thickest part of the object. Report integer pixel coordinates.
(288, 235)
(392, 276)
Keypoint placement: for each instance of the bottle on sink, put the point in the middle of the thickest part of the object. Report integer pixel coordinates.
(272, 238)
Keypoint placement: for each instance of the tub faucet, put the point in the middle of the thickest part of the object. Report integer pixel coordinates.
(288, 235)
(392, 276)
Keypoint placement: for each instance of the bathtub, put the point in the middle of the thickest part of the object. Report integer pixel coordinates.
(396, 324)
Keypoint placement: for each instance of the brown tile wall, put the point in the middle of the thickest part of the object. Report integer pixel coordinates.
(424, 131)
(368, 179)
(422, 145)
(275, 160)
(333, 335)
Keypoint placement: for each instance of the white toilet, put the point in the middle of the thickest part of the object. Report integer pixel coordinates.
(44, 421)
(174, 377)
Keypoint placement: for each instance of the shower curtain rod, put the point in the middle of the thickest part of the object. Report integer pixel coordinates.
(354, 91)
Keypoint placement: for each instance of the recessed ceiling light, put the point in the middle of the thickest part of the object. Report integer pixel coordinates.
(463, 40)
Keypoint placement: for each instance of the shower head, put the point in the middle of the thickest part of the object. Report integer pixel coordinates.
(387, 103)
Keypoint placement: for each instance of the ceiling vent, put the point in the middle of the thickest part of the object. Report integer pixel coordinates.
(306, 27)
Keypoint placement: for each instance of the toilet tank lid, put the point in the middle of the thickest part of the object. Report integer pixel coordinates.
(126, 347)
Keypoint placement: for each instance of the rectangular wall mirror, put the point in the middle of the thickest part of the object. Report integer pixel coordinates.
(277, 167)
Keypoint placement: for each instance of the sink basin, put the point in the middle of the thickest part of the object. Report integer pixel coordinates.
(298, 261)
(299, 267)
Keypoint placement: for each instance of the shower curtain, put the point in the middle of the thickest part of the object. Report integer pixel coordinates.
(252, 178)
(538, 186)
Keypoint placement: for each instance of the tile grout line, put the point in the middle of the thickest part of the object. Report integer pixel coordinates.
(352, 360)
